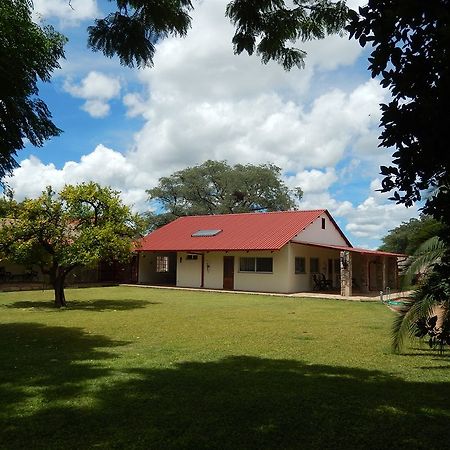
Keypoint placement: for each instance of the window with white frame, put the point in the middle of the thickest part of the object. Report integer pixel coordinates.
(162, 263)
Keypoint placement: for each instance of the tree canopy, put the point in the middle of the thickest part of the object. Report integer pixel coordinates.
(28, 53)
(411, 53)
(408, 237)
(265, 26)
(215, 187)
(80, 226)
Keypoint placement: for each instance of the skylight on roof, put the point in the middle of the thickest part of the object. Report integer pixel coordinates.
(205, 233)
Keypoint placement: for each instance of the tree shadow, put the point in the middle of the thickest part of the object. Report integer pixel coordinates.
(54, 360)
(84, 305)
(238, 402)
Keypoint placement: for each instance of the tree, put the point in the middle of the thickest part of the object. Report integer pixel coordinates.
(264, 26)
(411, 51)
(28, 53)
(407, 237)
(80, 226)
(215, 187)
(425, 313)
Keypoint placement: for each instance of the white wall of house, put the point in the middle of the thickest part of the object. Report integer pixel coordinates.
(316, 234)
(282, 279)
(189, 271)
(300, 282)
(277, 281)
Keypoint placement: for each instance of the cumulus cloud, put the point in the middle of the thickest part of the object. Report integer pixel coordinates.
(103, 165)
(201, 101)
(372, 218)
(68, 13)
(97, 89)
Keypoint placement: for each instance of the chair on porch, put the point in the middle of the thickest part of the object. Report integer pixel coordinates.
(318, 285)
(326, 284)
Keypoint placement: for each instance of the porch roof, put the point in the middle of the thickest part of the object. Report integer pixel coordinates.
(352, 249)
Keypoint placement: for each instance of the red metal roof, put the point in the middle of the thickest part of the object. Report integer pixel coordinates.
(247, 231)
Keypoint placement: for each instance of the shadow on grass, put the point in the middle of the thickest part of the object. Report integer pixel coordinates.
(52, 360)
(238, 402)
(85, 305)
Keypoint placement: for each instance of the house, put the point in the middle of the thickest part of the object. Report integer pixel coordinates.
(285, 252)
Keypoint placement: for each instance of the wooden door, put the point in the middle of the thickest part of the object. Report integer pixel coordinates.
(228, 273)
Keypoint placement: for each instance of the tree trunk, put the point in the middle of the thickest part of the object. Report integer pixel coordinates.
(57, 278)
(58, 286)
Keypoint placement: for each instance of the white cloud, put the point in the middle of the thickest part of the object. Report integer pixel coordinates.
(204, 102)
(95, 85)
(372, 218)
(103, 165)
(97, 89)
(313, 181)
(254, 130)
(69, 13)
(96, 108)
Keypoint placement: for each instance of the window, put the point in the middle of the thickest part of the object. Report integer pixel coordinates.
(323, 223)
(264, 265)
(314, 265)
(191, 257)
(162, 263)
(247, 264)
(300, 264)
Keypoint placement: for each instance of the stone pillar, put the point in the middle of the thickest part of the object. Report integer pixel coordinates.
(346, 274)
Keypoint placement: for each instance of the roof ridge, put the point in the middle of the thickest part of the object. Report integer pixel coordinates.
(255, 213)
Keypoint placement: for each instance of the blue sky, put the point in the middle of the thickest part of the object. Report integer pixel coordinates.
(127, 127)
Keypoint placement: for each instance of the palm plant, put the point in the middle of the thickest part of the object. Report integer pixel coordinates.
(428, 311)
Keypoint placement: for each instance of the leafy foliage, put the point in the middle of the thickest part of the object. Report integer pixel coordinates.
(411, 50)
(407, 237)
(425, 258)
(264, 26)
(133, 29)
(78, 227)
(215, 187)
(427, 312)
(28, 53)
(268, 25)
(411, 44)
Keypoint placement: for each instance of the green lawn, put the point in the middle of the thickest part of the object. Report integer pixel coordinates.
(141, 368)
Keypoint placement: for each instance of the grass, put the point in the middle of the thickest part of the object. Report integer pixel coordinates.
(133, 368)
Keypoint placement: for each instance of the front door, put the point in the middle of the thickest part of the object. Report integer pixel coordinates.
(228, 273)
